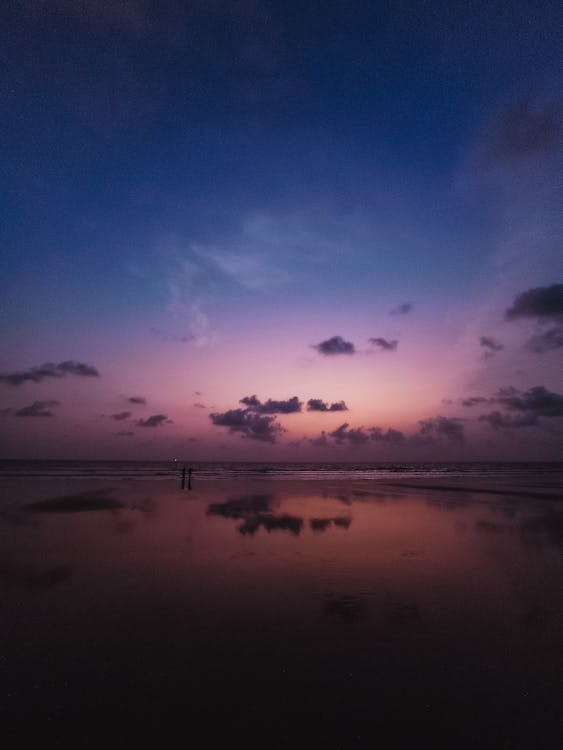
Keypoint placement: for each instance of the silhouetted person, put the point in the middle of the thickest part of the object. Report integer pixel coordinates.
(184, 477)
(189, 479)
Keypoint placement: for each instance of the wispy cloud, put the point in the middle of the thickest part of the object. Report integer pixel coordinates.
(154, 421)
(36, 409)
(403, 309)
(490, 345)
(385, 344)
(49, 370)
(121, 416)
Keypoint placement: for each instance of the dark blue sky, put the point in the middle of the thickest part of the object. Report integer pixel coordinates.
(190, 168)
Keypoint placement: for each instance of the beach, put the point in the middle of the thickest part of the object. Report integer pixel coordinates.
(283, 613)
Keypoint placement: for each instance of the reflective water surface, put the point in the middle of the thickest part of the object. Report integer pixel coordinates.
(333, 614)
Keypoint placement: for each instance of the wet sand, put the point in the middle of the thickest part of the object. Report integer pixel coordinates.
(280, 614)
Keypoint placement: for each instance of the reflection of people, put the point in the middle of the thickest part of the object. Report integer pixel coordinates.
(189, 478)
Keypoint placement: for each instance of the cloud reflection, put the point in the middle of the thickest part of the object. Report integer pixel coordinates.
(256, 512)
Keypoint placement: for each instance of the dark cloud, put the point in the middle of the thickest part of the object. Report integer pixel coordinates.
(271, 406)
(319, 442)
(384, 344)
(474, 400)
(449, 428)
(154, 421)
(197, 405)
(546, 341)
(523, 129)
(335, 345)
(403, 309)
(537, 400)
(77, 368)
(137, 400)
(544, 302)
(352, 436)
(49, 370)
(37, 409)
(316, 404)
(249, 424)
(491, 345)
(120, 416)
(390, 436)
(497, 420)
(359, 436)
(252, 422)
(250, 401)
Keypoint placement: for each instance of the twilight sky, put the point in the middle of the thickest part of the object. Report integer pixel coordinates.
(281, 230)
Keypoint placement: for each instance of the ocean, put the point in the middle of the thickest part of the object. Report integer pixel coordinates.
(548, 473)
(282, 606)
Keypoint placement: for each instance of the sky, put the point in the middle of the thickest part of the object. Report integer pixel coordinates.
(281, 230)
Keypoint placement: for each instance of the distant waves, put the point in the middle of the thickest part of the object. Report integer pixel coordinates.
(550, 473)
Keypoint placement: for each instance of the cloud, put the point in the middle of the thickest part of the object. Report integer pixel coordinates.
(474, 400)
(154, 421)
(319, 442)
(77, 368)
(37, 409)
(250, 401)
(120, 416)
(359, 436)
(137, 400)
(249, 424)
(176, 338)
(537, 400)
(49, 370)
(403, 309)
(316, 404)
(390, 436)
(542, 302)
(352, 436)
(252, 423)
(124, 433)
(546, 341)
(491, 346)
(289, 406)
(526, 406)
(449, 428)
(523, 129)
(335, 345)
(384, 344)
(498, 420)
(197, 405)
